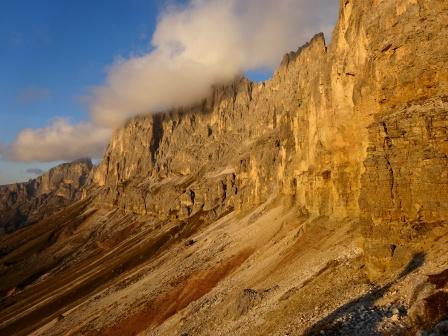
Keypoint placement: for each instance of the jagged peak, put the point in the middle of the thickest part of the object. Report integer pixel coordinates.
(292, 55)
(87, 162)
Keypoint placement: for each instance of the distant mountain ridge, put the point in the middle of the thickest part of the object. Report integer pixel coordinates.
(25, 203)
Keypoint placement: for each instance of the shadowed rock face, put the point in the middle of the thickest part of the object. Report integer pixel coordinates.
(345, 139)
(25, 203)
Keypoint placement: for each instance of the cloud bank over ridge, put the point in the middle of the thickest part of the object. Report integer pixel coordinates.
(59, 141)
(193, 47)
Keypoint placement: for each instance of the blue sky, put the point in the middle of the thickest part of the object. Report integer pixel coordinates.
(54, 51)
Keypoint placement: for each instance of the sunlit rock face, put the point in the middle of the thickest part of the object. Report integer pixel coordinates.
(25, 203)
(355, 129)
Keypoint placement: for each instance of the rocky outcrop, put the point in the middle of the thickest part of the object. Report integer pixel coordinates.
(430, 301)
(22, 204)
(405, 183)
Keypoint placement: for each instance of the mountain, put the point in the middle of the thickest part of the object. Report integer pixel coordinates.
(25, 203)
(313, 203)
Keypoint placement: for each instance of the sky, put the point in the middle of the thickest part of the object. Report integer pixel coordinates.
(72, 71)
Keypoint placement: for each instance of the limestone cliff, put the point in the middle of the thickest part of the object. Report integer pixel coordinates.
(355, 129)
(25, 203)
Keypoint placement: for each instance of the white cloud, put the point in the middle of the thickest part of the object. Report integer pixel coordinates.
(59, 141)
(194, 46)
(206, 42)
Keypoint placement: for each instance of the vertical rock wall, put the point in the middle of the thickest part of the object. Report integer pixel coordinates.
(356, 129)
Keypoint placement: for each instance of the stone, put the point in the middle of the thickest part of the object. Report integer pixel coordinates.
(442, 328)
(190, 242)
(247, 300)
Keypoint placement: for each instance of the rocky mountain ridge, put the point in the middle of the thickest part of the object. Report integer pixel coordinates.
(356, 129)
(25, 203)
(313, 203)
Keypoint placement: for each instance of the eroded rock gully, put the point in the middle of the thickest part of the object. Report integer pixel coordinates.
(324, 189)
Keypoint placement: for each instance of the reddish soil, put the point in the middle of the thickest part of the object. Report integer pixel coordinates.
(168, 304)
(86, 277)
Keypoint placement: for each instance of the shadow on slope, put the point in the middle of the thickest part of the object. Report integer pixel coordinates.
(360, 316)
(43, 295)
